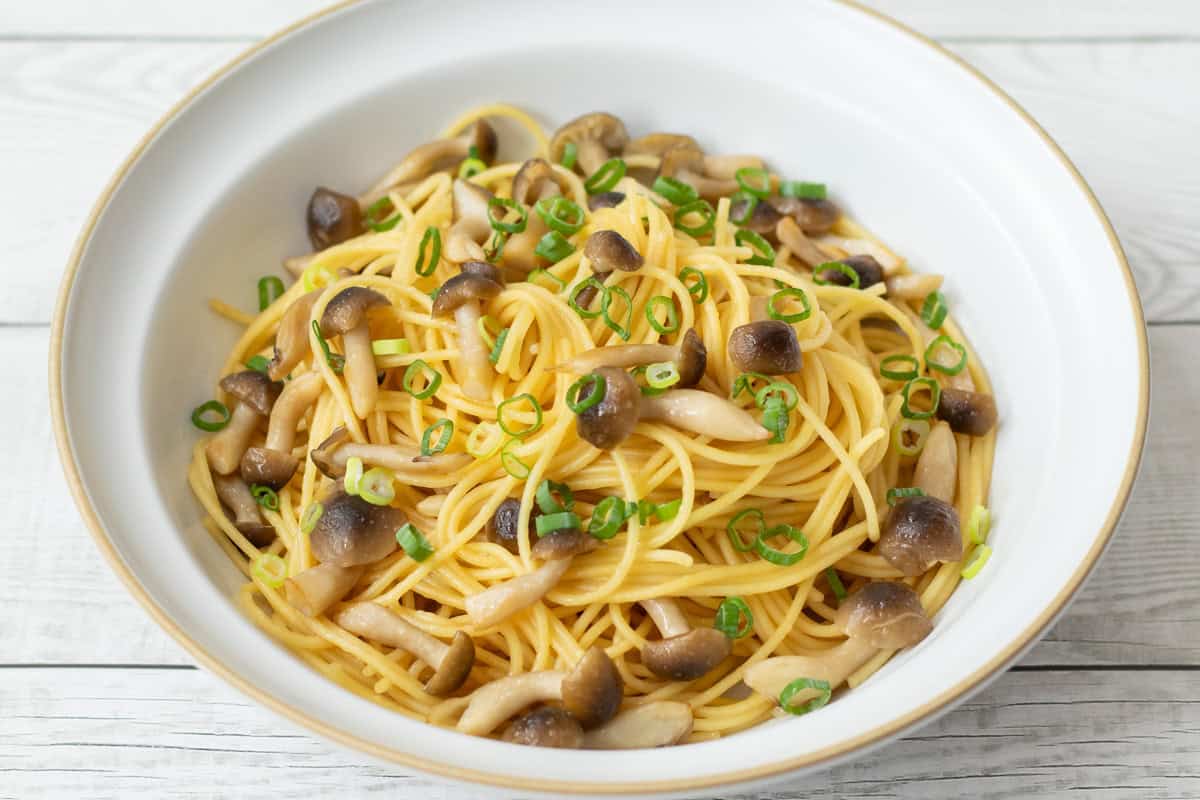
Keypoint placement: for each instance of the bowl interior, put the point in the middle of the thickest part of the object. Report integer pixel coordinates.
(914, 146)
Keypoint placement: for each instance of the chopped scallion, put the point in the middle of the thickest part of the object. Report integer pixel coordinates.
(803, 190)
(698, 289)
(512, 464)
(935, 396)
(484, 439)
(934, 309)
(595, 385)
(270, 569)
(979, 556)
(265, 496)
(890, 368)
(840, 268)
(498, 347)
(668, 305)
(413, 542)
(269, 290)
(201, 416)
(896, 494)
(774, 312)
(979, 524)
(835, 583)
(754, 180)
(444, 429)
(675, 191)
(779, 557)
(559, 283)
(663, 375)
(311, 516)
(909, 435)
(735, 534)
(553, 247)
(708, 218)
(734, 618)
(607, 518)
(432, 238)
(519, 433)
(606, 304)
(428, 375)
(498, 211)
(335, 361)
(605, 178)
(762, 253)
(391, 347)
(258, 364)
(931, 356)
(560, 214)
(558, 521)
(377, 486)
(570, 152)
(802, 684)
(353, 476)
(548, 494)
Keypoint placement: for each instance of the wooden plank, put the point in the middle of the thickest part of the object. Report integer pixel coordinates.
(71, 111)
(1138, 609)
(1039, 19)
(115, 733)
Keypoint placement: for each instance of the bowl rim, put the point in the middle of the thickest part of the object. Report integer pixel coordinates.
(824, 757)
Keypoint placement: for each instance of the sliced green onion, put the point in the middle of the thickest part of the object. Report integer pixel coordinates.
(391, 347)
(270, 569)
(502, 206)
(836, 266)
(662, 375)
(803, 190)
(431, 236)
(979, 556)
(384, 226)
(745, 383)
(755, 181)
(573, 297)
(258, 364)
(607, 518)
(559, 283)
(782, 294)
(484, 325)
(646, 389)
(644, 509)
(483, 441)
(513, 465)
(560, 214)
(909, 435)
(375, 212)
(799, 685)
(779, 557)
(734, 618)
(606, 304)
(210, 407)
(912, 367)
(699, 289)
(667, 511)
(775, 419)
(781, 389)
(413, 543)
(470, 167)
(547, 495)
(523, 432)
(735, 535)
(675, 191)
(762, 252)
(652, 305)
(265, 496)
(495, 246)
(553, 247)
(315, 276)
(335, 361)
(605, 178)
(934, 309)
(894, 495)
(445, 429)
(269, 290)
(748, 203)
(353, 476)
(935, 397)
(979, 524)
(431, 376)
(835, 583)
(596, 386)
(701, 207)
(377, 486)
(498, 347)
(311, 516)
(570, 151)
(559, 521)
(931, 353)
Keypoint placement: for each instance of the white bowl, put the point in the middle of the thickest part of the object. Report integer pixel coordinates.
(916, 145)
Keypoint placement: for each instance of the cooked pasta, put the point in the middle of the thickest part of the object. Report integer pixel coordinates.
(622, 429)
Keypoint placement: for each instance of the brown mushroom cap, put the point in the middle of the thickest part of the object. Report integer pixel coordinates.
(332, 218)
(484, 140)
(465, 287)
(869, 272)
(592, 691)
(484, 270)
(688, 656)
(813, 216)
(455, 667)
(609, 422)
(972, 413)
(265, 467)
(348, 308)
(545, 726)
(598, 126)
(502, 528)
(563, 544)
(918, 532)
(322, 454)
(253, 388)
(605, 200)
(885, 615)
(769, 346)
(352, 531)
(681, 158)
(608, 250)
(692, 359)
(530, 182)
(763, 218)
(656, 144)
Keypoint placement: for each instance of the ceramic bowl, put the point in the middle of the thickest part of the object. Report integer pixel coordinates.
(917, 146)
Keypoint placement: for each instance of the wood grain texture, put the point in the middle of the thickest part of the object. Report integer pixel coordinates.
(118, 733)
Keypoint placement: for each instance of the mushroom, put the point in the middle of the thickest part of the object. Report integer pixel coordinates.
(813, 216)
(499, 602)
(461, 296)
(346, 314)
(688, 164)
(689, 356)
(451, 662)
(273, 464)
(768, 346)
(882, 615)
(563, 544)
(591, 693)
(596, 137)
(545, 726)
(255, 394)
(683, 653)
(437, 155)
(655, 724)
(919, 532)
(534, 180)
(317, 588)
(331, 455)
(332, 218)
(655, 144)
(605, 200)
(789, 234)
(606, 251)
(235, 495)
(352, 531)
(868, 270)
(936, 472)
(763, 216)
(610, 421)
(291, 338)
(504, 526)
(913, 286)
(972, 413)
(471, 228)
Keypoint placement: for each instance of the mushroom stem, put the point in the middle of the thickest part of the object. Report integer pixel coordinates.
(477, 369)
(495, 702)
(393, 456)
(291, 338)
(914, 286)
(704, 413)
(667, 615)
(623, 356)
(225, 449)
(360, 369)
(235, 495)
(936, 472)
(293, 402)
(317, 588)
(793, 238)
(655, 724)
(451, 662)
(499, 602)
(834, 665)
(725, 167)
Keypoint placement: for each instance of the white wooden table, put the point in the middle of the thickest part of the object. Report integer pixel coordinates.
(95, 701)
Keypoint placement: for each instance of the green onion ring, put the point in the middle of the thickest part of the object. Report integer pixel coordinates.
(560, 214)
(413, 543)
(605, 178)
(597, 386)
(675, 191)
(699, 289)
(803, 190)
(558, 521)
(210, 407)
(553, 247)
(916, 427)
(896, 494)
(672, 323)
(270, 569)
(948, 369)
(504, 205)
(789, 291)
(420, 368)
(779, 557)
(836, 266)
(265, 496)
(799, 685)
(935, 397)
(546, 500)
(886, 370)
(607, 518)
(522, 433)
(446, 428)
(934, 309)
(270, 289)
(755, 181)
(730, 616)
(606, 303)
(735, 537)
(701, 207)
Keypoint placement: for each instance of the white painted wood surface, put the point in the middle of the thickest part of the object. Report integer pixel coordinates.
(95, 701)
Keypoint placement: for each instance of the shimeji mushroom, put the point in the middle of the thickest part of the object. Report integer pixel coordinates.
(461, 296)
(655, 724)
(936, 472)
(332, 218)
(920, 532)
(451, 663)
(767, 346)
(504, 526)
(763, 218)
(610, 421)
(273, 464)
(255, 394)
(690, 358)
(607, 251)
(880, 616)
(813, 216)
(913, 286)
(352, 531)
(868, 270)
(972, 413)
(317, 588)
(689, 165)
(683, 653)
(596, 137)
(591, 693)
(471, 228)
(291, 338)
(605, 200)
(235, 495)
(545, 726)
(535, 180)
(439, 154)
(789, 234)
(332, 454)
(346, 315)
